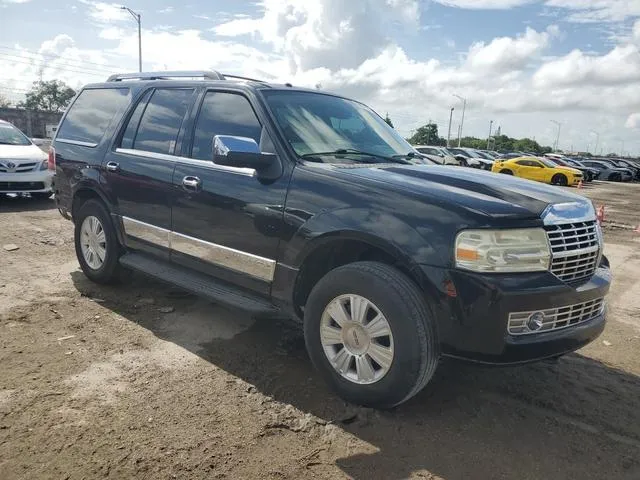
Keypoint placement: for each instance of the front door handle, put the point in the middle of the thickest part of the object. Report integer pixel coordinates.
(191, 183)
(113, 166)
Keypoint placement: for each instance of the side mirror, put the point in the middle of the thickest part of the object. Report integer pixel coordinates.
(244, 152)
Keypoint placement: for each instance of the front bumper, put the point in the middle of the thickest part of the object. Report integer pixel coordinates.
(31, 182)
(473, 325)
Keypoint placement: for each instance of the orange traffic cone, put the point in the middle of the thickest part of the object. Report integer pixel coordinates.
(579, 184)
(600, 214)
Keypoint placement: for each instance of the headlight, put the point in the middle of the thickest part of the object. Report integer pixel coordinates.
(500, 251)
(44, 165)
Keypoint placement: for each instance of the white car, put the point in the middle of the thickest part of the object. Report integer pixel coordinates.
(444, 157)
(23, 165)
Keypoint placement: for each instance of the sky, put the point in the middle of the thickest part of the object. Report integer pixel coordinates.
(525, 65)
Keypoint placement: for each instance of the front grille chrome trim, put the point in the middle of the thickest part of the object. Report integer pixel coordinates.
(575, 249)
(557, 318)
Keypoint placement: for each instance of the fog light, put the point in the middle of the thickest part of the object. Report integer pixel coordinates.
(535, 321)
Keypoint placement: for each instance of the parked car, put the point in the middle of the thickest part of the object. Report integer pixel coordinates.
(608, 171)
(446, 157)
(287, 201)
(539, 169)
(471, 158)
(23, 166)
(589, 174)
(510, 155)
(633, 168)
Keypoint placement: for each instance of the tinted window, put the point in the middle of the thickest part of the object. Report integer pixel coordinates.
(91, 113)
(430, 151)
(134, 121)
(223, 114)
(161, 121)
(525, 163)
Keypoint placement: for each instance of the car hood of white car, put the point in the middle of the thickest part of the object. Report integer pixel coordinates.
(21, 152)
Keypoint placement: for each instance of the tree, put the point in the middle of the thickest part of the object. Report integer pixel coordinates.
(4, 102)
(388, 120)
(426, 135)
(52, 96)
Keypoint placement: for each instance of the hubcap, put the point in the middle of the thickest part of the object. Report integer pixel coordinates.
(357, 339)
(93, 242)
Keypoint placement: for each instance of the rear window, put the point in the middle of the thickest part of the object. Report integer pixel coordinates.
(91, 113)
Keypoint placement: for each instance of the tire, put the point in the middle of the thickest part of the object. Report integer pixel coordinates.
(413, 339)
(506, 171)
(110, 271)
(615, 177)
(559, 179)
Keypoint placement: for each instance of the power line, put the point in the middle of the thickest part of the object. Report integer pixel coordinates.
(22, 50)
(64, 68)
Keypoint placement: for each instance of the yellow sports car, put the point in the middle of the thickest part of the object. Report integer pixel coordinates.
(538, 169)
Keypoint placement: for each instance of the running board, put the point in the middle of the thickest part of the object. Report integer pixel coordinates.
(198, 283)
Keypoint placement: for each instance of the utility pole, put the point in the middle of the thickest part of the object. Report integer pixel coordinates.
(555, 147)
(595, 150)
(449, 134)
(489, 138)
(136, 17)
(464, 108)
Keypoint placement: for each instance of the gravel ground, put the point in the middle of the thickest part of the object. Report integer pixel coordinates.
(143, 381)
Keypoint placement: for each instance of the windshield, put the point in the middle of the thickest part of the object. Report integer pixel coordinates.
(10, 135)
(484, 155)
(315, 123)
(548, 163)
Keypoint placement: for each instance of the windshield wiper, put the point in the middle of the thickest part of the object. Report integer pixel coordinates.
(352, 151)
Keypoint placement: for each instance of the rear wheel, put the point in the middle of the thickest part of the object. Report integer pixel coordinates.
(370, 334)
(615, 177)
(559, 179)
(97, 246)
(506, 171)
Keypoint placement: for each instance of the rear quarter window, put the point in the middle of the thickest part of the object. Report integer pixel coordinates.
(92, 112)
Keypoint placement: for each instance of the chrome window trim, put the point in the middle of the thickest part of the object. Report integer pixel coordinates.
(249, 172)
(147, 232)
(77, 142)
(243, 262)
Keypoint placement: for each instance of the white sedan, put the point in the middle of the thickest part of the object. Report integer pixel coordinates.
(23, 165)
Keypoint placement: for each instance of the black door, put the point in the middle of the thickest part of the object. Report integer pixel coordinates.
(139, 170)
(226, 221)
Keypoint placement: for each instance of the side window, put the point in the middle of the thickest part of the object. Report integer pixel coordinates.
(91, 114)
(537, 164)
(223, 113)
(524, 163)
(161, 120)
(134, 122)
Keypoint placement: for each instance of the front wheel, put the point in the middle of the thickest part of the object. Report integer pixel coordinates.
(371, 335)
(97, 246)
(559, 179)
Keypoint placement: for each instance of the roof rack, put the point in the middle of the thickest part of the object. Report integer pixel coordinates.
(208, 75)
(226, 75)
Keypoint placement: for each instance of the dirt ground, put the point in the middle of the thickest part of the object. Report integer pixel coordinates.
(143, 381)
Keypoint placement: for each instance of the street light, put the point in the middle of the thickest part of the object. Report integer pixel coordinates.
(449, 134)
(595, 150)
(136, 17)
(555, 148)
(464, 108)
(489, 138)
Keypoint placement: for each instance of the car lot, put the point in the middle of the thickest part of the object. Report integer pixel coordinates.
(145, 381)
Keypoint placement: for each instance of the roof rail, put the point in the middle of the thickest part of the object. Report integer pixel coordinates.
(226, 75)
(209, 75)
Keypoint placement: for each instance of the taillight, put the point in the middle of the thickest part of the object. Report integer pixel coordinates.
(51, 163)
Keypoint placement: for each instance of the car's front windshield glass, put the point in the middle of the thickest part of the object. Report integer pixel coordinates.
(315, 123)
(548, 163)
(10, 135)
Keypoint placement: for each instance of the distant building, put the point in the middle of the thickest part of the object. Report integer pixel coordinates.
(34, 123)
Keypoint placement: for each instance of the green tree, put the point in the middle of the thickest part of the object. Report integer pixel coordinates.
(4, 102)
(388, 120)
(52, 96)
(426, 135)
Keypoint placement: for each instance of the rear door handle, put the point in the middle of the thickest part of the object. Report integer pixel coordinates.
(191, 183)
(113, 166)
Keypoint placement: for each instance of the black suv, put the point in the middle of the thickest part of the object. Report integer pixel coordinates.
(286, 201)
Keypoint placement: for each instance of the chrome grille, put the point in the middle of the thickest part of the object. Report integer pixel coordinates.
(556, 318)
(19, 167)
(575, 249)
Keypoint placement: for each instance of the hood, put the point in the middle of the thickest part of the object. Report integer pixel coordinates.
(573, 170)
(477, 191)
(21, 153)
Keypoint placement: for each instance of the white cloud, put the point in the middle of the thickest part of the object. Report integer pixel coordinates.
(633, 121)
(15, 1)
(237, 27)
(484, 4)
(588, 11)
(106, 12)
(166, 10)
